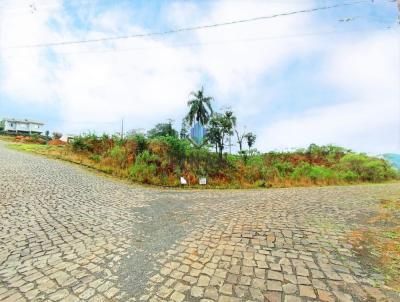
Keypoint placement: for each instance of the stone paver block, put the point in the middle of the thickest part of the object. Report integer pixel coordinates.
(68, 235)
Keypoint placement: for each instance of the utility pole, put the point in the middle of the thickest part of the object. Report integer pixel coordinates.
(122, 128)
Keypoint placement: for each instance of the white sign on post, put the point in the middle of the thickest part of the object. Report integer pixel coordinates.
(203, 181)
(183, 181)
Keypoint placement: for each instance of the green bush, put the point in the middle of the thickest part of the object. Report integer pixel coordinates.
(79, 144)
(328, 150)
(317, 173)
(115, 151)
(366, 168)
(348, 176)
(255, 160)
(374, 170)
(203, 162)
(301, 171)
(141, 142)
(176, 147)
(313, 172)
(160, 160)
(95, 157)
(119, 154)
(255, 169)
(143, 172)
(283, 168)
(162, 129)
(145, 167)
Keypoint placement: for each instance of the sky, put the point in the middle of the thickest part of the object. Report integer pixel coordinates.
(327, 77)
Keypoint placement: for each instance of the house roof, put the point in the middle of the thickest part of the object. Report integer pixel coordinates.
(15, 120)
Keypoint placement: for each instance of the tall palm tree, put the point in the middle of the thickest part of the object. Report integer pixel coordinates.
(231, 124)
(230, 118)
(200, 109)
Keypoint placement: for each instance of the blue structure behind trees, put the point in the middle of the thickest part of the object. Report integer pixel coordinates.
(198, 133)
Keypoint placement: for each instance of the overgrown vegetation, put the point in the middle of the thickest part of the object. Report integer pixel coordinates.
(163, 160)
(162, 155)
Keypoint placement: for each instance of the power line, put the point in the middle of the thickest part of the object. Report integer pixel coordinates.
(193, 28)
(211, 43)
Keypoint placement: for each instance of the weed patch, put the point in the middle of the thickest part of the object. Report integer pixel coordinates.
(378, 243)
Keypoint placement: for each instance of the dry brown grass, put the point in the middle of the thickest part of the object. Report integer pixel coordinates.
(166, 175)
(378, 243)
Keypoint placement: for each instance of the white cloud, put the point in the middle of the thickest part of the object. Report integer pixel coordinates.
(236, 57)
(145, 85)
(26, 74)
(364, 75)
(236, 67)
(152, 82)
(180, 14)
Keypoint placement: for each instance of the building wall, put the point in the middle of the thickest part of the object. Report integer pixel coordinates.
(10, 126)
(197, 133)
(22, 127)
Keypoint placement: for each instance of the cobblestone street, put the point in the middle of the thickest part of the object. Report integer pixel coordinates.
(67, 234)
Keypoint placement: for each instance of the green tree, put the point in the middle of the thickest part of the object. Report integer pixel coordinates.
(213, 132)
(163, 129)
(230, 118)
(184, 130)
(200, 109)
(220, 127)
(251, 139)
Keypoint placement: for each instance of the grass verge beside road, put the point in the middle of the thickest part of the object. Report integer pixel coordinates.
(377, 243)
(62, 153)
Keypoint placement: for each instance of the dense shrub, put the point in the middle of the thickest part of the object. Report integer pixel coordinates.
(163, 159)
(176, 147)
(300, 171)
(140, 141)
(348, 176)
(367, 168)
(79, 144)
(320, 173)
(145, 168)
(119, 155)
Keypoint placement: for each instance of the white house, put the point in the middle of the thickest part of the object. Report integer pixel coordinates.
(24, 126)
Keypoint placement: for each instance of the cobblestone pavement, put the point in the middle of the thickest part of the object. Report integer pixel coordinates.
(69, 235)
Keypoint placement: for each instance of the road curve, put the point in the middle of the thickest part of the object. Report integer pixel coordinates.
(67, 234)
